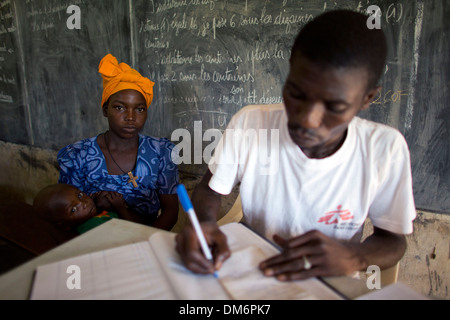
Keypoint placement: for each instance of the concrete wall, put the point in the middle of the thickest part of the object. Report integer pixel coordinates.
(425, 266)
(24, 170)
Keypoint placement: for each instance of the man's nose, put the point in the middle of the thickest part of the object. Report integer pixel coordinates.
(310, 115)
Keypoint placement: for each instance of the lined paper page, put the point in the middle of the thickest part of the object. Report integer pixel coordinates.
(126, 272)
(240, 237)
(185, 284)
(243, 280)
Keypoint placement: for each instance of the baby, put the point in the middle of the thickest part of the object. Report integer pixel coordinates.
(67, 208)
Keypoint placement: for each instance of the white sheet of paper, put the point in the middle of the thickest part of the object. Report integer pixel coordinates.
(126, 272)
(243, 280)
(186, 284)
(396, 291)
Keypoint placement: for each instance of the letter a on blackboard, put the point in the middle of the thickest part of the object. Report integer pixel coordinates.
(74, 21)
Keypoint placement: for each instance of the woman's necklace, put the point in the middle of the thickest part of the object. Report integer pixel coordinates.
(132, 178)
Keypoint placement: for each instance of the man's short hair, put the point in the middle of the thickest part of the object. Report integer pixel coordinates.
(341, 38)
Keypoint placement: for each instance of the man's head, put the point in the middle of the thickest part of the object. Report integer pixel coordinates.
(335, 64)
(64, 206)
(341, 39)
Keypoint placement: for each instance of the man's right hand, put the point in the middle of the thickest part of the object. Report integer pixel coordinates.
(189, 249)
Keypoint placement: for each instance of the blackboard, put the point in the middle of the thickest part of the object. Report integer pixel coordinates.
(208, 59)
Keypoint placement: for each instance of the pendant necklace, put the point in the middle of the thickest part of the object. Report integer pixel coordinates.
(132, 178)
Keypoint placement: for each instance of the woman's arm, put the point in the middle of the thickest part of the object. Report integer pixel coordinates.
(169, 212)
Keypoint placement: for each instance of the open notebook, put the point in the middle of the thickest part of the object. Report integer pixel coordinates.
(153, 270)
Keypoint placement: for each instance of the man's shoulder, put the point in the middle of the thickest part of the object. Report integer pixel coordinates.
(377, 134)
(375, 128)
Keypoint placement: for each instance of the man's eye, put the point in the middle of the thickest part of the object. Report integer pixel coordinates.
(337, 108)
(80, 195)
(74, 209)
(296, 94)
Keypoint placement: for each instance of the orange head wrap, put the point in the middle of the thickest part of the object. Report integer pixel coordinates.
(117, 77)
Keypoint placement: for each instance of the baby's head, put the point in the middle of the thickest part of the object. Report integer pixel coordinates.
(64, 206)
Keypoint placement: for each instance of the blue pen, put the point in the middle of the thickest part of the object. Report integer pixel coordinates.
(189, 208)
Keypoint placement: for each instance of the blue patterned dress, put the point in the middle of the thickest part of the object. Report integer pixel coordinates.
(83, 165)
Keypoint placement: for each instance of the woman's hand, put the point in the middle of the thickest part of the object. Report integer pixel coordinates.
(109, 201)
(100, 200)
(116, 201)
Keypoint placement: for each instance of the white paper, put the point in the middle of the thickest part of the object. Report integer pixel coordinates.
(396, 291)
(126, 272)
(184, 283)
(243, 280)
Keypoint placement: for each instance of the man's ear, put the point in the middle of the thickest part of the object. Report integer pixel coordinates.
(371, 94)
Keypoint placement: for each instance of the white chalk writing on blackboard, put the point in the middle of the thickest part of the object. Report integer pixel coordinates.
(8, 58)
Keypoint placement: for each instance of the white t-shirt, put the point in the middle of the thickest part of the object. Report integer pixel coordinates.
(285, 192)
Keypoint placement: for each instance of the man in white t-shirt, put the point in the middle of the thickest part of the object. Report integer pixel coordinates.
(310, 170)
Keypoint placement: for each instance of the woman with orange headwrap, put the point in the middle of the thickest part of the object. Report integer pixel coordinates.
(122, 161)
